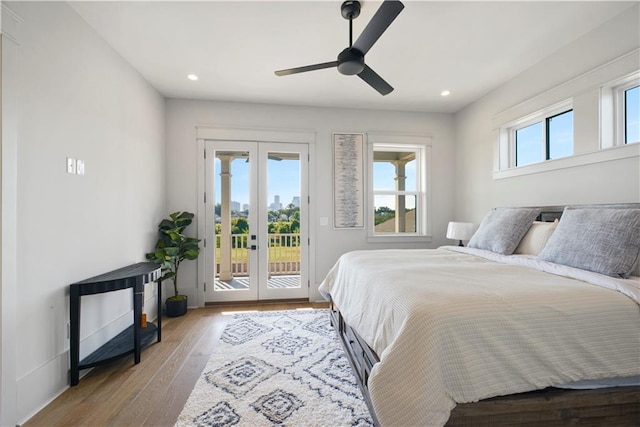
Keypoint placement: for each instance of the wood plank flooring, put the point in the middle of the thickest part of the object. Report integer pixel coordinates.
(153, 392)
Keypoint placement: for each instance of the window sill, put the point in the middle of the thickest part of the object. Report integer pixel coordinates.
(604, 155)
(399, 239)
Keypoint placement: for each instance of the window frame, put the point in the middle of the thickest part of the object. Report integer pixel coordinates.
(612, 110)
(543, 117)
(421, 146)
(620, 110)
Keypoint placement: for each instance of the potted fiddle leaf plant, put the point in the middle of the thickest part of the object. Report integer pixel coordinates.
(173, 247)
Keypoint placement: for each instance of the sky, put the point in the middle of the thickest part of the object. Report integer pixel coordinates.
(283, 179)
(633, 114)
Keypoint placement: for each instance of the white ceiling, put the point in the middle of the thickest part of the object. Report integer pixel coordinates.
(234, 47)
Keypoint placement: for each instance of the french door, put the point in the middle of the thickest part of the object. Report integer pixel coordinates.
(256, 221)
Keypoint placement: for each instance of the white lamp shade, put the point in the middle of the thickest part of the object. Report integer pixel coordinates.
(460, 230)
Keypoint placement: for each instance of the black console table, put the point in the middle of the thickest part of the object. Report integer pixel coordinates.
(132, 339)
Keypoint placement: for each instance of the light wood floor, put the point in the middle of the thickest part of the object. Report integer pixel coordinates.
(153, 392)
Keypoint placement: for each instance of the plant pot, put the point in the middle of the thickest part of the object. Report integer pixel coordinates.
(176, 306)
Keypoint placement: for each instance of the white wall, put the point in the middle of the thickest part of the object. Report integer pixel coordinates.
(183, 116)
(77, 98)
(606, 182)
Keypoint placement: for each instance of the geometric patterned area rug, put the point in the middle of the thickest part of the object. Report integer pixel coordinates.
(277, 368)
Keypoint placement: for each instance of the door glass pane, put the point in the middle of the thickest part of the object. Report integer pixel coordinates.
(283, 220)
(529, 144)
(231, 220)
(560, 130)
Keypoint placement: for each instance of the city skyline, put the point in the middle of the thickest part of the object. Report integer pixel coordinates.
(286, 187)
(275, 205)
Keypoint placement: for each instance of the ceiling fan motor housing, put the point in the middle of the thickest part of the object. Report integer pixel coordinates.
(350, 9)
(350, 61)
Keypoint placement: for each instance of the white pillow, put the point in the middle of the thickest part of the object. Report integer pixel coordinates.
(535, 239)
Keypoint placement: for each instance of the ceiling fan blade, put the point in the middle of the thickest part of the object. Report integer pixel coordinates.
(385, 15)
(307, 68)
(375, 81)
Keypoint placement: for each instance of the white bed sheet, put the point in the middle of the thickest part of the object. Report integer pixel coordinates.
(459, 327)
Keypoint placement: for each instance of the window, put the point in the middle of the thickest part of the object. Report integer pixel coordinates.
(398, 196)
(550, 138)
(529, 144)
(589, 119)
(620, 111)
(631, 116)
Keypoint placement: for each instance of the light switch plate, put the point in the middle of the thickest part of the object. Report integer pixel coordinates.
(71, 165)
(80, 167)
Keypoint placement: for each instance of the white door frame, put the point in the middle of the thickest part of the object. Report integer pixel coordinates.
(209, 237)
(230, 134)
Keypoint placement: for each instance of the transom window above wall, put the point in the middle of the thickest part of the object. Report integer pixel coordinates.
(398, 196)
(591, 118)
(542, 136)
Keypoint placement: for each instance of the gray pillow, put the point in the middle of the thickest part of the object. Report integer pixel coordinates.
(604, 240)
(502, 229)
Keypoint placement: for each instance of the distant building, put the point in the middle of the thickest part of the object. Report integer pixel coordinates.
(245, 207)
(235, 206)
(296, 201)
(276, 205)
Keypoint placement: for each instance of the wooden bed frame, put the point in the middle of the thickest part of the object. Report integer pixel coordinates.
(615, 407)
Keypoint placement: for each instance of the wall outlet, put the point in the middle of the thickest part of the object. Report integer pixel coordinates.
(71, 165)
(80, 167)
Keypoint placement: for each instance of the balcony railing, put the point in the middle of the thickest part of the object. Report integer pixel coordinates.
(284, 254)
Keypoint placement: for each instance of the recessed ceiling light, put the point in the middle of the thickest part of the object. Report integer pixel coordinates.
(445, 93)
(192, 77)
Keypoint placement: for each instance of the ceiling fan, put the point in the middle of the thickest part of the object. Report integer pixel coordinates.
(351, 60)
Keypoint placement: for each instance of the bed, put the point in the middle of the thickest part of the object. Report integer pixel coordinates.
(490, 327)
